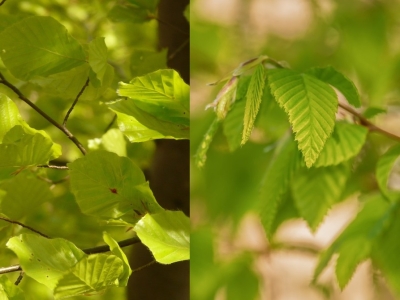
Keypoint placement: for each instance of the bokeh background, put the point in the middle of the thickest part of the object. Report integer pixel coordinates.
(231, 257)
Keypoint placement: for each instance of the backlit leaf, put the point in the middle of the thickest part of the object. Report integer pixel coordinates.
(383, 168)
(98, 59)
(311, 105)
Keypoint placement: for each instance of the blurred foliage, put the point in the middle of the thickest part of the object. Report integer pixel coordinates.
(358, 38)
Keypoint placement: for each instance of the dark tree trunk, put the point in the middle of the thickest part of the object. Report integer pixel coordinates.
(169, 174)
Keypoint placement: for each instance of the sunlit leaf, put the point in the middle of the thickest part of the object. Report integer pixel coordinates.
(111, 187)
(345, 143)
(311, 105)
(10, 291)
(92, 274)
(39, 46)
(117, 251)
(113, 141)
(253, 101)
(339, 81)
(233, 125)
(98, 59)
(45, 260)
(167, 234)
(315, 190)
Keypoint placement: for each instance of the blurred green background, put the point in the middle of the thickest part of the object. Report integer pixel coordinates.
(360, 39)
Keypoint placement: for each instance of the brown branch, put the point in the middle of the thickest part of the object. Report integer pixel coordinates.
(25, 226)
(366, 123)
(42, 113)
(74, 103)
(54, 167)
(111, 123)
(100, 249)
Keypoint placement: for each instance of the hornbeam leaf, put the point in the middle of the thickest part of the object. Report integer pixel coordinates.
(98, 59)
(339, 81)
(253, 100)
(111, 187)
(315, 190)
(92, 274)
(162, 94)
(383, 168)
(311, 105)
(276, 181)
(201, 154)
(356, 242)
(39, 46)
(167, 234)
(45, 260)
(345, 143)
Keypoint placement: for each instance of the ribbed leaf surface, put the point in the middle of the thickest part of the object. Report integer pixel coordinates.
(383, 168)
(345, 143)
(311, 105)
(253, 100)
(315, 190)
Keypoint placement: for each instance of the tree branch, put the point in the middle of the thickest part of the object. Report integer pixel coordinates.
(42, 113)
(74, 103)
(177, 50)
(100, 249)
(25, 226)
(366, 123)
(54, 167)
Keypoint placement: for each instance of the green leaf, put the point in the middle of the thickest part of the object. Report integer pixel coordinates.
(98, 59)
(163, 94)
(92, 274)
(19, 202)
(233, 124)
(69, 83)
(355, 242)
(345, 143)
(9, 115)
(315, 190)
(111, 187)
(186, 13)
(45, 260)
(117, 251)
(201, 154)
(129, 13)
(339, 81)
(276, 181)
(39, 46)
(166, 234)
(371, 112)
(10, 291)
(253, 100)
(311, 105)
(146, 61)
(383, 168)
(112, 141)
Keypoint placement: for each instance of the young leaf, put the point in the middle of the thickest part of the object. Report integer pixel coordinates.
(311, 105)
(92, 274)
(371, 112)
(111, 187)
(253, 100)
(339, 81)
(355, 242)
(39, 46)
(233, 125)
(225, 98)
(201, 154)
(162, 94)
(113, 141)
(383, 168)
(315, 190)
(167, 234)
(345, 143)
(98, 60)
(276, 182)
(45, 260)
(117, 251)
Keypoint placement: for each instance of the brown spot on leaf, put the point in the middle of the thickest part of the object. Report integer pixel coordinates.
(114, 191)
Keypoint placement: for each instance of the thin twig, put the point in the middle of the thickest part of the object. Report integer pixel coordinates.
(2, 2)
(366, 123)
(42, 113)
(25, 226)
(54, 167)
(21, 275)
(176, 28)
(100, 249)
(145, 266)
(74, 103)
(111, 123)
(177, 50)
